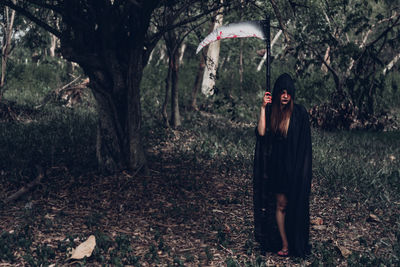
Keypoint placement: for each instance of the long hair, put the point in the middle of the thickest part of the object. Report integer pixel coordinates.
(280, 117)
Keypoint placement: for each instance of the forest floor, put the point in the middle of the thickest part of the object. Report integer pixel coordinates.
(187, 211)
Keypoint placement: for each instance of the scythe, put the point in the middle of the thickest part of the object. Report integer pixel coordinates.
(259, 29)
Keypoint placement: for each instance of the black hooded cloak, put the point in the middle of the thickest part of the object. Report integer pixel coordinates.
(289, 157)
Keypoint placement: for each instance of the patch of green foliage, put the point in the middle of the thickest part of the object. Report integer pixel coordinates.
(27, 83)
(20, 242)
(11, 242)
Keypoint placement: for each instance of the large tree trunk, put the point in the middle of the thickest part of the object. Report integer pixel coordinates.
(197, 83)
(117, 93)
(137, 158)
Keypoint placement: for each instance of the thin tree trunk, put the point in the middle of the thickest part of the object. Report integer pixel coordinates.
(391, 64)
(326, 59)
(6, 48)
(210, 71)
(200, 73)
(182, 53)
(197, 83)
(280, 20)
(175, 115)
(53, 45)
(370, 99)
(174, 54)
(265, 54)
(362, 45)
(162, 55)
(166, 96)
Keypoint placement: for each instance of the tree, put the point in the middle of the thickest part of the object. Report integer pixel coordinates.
(7, 25)
(352, 40)
(174, 42)
(112, 40)
(200, 72)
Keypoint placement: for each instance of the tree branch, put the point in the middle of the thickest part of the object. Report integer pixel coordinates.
(328, 66)
(391, 63)
(30, 16)
(384, 33)
(188, 20)
(27, 187)
(280, 20)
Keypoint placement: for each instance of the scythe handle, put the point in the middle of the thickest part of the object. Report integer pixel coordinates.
(267, 63)
(268, 51)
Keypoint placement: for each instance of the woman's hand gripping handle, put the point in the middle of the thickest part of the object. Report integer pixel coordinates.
(267, 99)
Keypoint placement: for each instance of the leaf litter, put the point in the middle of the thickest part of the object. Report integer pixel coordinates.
(195, 210)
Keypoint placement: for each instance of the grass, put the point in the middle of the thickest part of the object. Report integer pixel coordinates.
(365, 163)
(56, 137)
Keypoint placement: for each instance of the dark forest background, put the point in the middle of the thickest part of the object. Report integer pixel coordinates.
(104, 130)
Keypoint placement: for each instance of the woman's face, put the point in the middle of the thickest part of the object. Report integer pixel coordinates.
(285, 97)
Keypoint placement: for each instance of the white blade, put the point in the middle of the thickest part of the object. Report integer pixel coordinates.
(234, 30)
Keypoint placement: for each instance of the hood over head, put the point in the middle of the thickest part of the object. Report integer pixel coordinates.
(283, 82)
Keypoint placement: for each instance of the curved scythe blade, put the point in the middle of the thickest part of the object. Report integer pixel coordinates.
(243, 29)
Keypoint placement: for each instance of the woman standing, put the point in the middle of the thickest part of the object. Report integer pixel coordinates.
(282, 173)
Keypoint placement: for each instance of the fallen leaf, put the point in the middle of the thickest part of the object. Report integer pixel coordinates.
(85, 249)
(219, 211)
(373, 218)
(317, 221)
(319, 227)
(344, 251)
(49, 216)
(219, 186)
